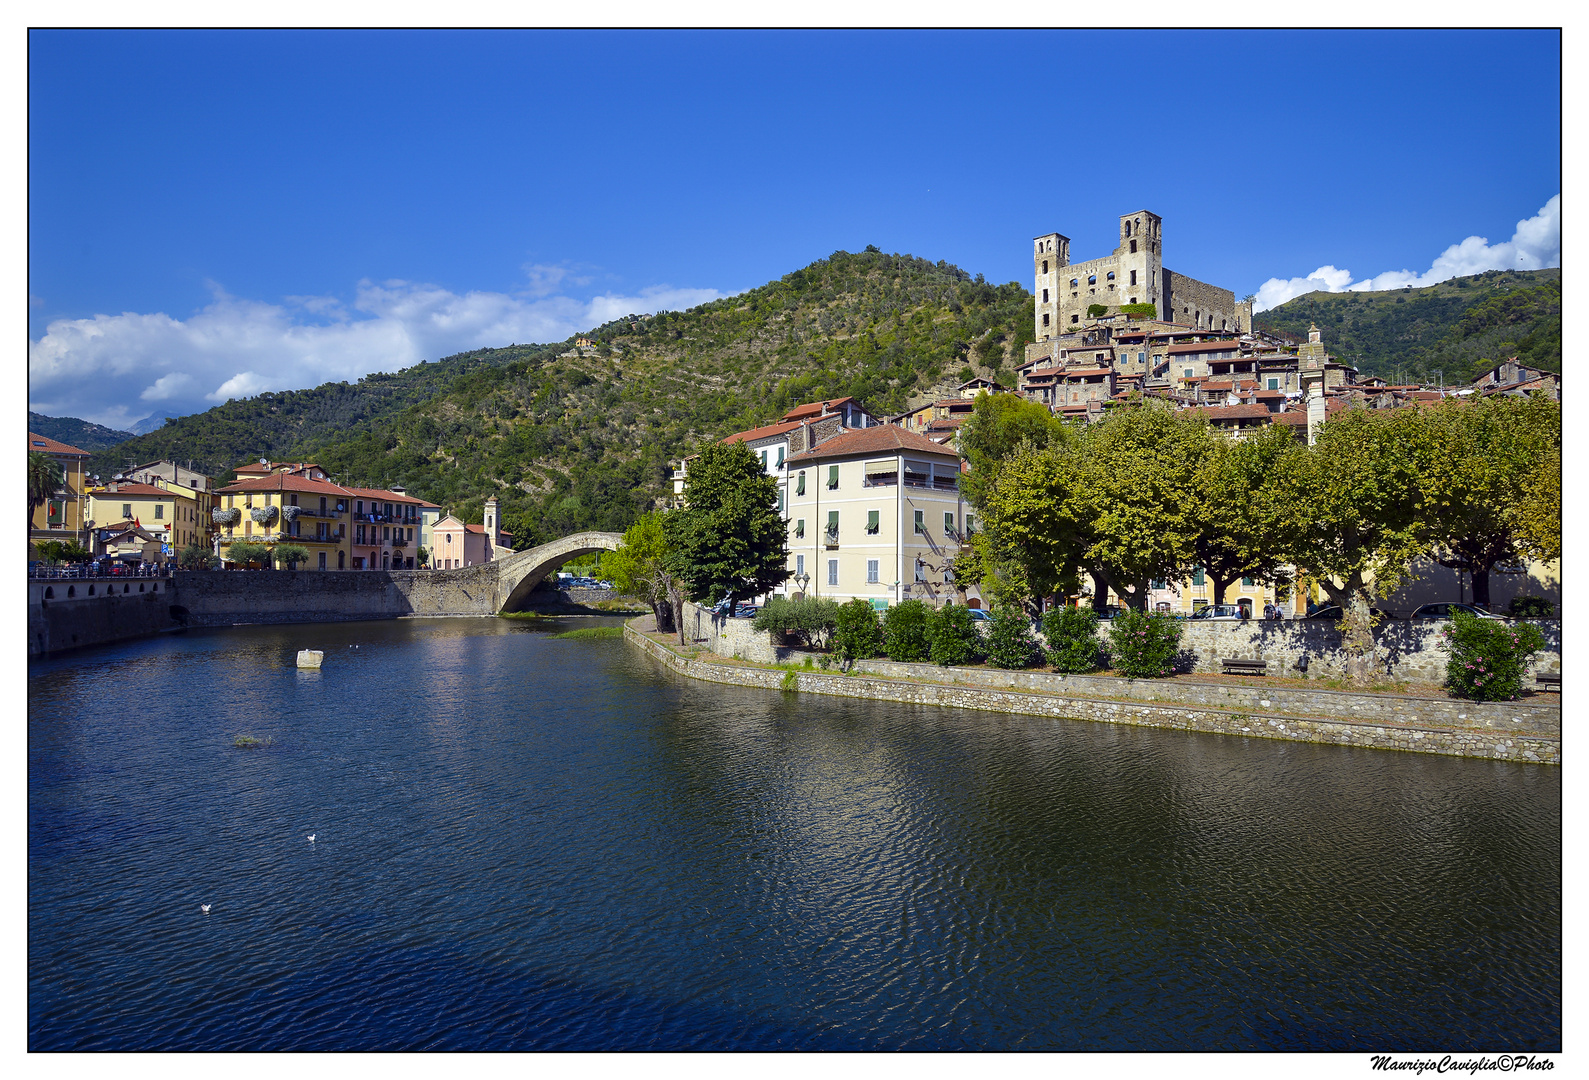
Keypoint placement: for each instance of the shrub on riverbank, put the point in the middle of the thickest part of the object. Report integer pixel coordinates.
(1072, 634)
(856, 633)
(1010, 642)
(905, 632)
(1488, 657)
(952, 636)
(592, 632)
(1143, 645)
(808, 620)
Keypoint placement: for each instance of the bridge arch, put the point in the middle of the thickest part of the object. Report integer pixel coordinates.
(519, 573)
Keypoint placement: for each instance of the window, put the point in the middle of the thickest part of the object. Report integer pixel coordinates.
(800, 528)
(921, 525)
(1197, 575)
(1158, 584)
(833, 477)
(780, 457)
(1045, 296)
(159, 511)
(1045, 318)
(833, 571)
(1142, 358)
(1246, 582)
(1133, 273)
(921, 570)
(800, 483)
(871, 571)
(833, 526)
(800, 565)
(1074, 283)
(948, 523)
(126, 511)
(1187, 373)
(1045, 266)
(322, 560)
(1075, 318)
(763, 461)
(871, 522)
(1092, 279)
(781, 494)
(1274, 384)
(1109, 276)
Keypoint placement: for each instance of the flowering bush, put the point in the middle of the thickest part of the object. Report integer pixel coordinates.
(1010, 642)
(952, 636)
(1072, 634)
(1144, 645)
(905, 631)
(857, 635)
(1488, 657)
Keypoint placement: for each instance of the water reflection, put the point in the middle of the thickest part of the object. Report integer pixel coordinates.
(528, 842)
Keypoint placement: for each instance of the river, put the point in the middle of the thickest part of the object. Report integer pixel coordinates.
(525, 842)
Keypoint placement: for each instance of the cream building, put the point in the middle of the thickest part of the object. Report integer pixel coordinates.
(875, 513)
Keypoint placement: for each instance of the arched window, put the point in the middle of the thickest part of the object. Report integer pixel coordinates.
(342, 560)
(90, 590)
(1045, 266)
(1111, 276)
(1074, 283)
(49, 592)
(1092, 279)
(71, 591)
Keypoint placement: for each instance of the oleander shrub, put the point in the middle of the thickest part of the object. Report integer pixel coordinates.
(1530, 607)
(1488, 657)
(1143, 645)
(808, 620)
(1010, 644)
(952, 636)
(905, 632)
(856, 633)
(1072, 634)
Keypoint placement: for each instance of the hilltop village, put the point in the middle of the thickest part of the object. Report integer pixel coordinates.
(1106, 331)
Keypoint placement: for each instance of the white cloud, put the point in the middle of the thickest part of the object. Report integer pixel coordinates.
(109, 368)
(1535, 244)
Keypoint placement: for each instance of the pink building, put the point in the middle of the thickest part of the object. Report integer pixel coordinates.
(458, 544)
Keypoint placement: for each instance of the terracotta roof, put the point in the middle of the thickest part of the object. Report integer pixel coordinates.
(284, 482)
(815, 408)
(885, 438)
(1294, 418)
(132, 489)
(481, 529)
(370, 493)
(1233, 412)
(42, 445)
(1270, 394)
(762, 432)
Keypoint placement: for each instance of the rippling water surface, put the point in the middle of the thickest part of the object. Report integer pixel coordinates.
(528, 843)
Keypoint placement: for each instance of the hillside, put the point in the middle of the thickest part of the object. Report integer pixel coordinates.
(74, 432)
(1458, 327)
(584, 442)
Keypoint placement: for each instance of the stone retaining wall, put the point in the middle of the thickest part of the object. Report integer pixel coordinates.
(72, 617)
(1509, 745)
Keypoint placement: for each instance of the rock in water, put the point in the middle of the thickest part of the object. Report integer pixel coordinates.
(310, 658)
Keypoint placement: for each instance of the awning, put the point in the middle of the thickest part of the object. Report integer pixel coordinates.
(878, 468)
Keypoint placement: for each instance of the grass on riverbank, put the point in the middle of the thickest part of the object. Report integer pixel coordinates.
(593, 632)
(530, 615)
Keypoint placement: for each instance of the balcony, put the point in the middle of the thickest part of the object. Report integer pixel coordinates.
(830, 538)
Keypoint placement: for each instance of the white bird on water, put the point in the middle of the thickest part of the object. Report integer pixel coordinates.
(204, 908)
(311, 838)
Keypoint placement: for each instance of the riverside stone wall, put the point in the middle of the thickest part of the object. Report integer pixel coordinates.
(74, 614)
(1507, 745)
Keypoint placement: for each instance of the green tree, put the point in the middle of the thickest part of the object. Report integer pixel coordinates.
(421, 556)
(997, 425)
(728, 541)
(1241, 523)
(1355, 516)
(44, 479)
(952, 636)
(67, 551)
(290, 555)
(856, 632)
(639, 568)
(243, 552)
(195, 557)
(1479, 466)
(810, 620)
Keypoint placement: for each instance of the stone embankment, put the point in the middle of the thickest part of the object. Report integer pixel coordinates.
(1515, 731)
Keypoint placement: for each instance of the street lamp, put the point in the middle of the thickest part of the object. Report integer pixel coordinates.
(802, 580)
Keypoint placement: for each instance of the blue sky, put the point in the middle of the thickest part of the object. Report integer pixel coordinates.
(215, 214)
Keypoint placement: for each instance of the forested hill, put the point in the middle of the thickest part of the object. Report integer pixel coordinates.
(280, 425)
(74, 432)
(1459, 327)
(584, 442)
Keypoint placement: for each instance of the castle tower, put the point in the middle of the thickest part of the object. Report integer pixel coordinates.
(1050, 252)
(1140, 255)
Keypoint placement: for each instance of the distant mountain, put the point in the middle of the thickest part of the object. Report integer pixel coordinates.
(150, 423)
(1458, 328)
(574, 439)
(74, 432)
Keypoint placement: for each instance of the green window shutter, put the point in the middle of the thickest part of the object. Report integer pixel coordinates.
(1246, 582)
(780, 502)
(921, 526)
(1197, 575)
(800, 528)
(800, 483)
(833, 520)
(871, 521)
(948, 523)
(833, 477)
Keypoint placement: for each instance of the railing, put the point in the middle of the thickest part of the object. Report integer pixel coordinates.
(387, 519)
(87, 570)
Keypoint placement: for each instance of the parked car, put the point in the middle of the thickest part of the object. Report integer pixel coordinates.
(1219, 612)
(744, 611)
(1444, 611)
(1333, 611)
(979, 615)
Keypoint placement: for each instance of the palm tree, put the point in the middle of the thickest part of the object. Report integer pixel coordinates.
(44, 479)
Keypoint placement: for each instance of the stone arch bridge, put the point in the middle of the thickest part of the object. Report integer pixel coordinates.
(503, 584)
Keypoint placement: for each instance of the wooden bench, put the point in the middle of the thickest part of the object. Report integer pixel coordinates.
(1551, 683)
(1244, 667)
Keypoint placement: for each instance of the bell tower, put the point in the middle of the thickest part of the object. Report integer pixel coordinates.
(491, 527)
(1050, 252)
(1141, 259)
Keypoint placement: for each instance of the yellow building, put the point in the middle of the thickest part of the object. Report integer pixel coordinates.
(289, 508)
(172, 514)
(60, 517)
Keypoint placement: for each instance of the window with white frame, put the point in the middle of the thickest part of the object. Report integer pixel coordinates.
(871, 571)
(833, 571)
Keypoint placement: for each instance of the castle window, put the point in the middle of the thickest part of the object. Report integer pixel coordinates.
(1045, 296)
(1128, 228)
(1074, 282)
(1092, 279)
(1133, 247)
(1045, 318)
(1045, 266)
(1133, 277)
(1075, 318)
